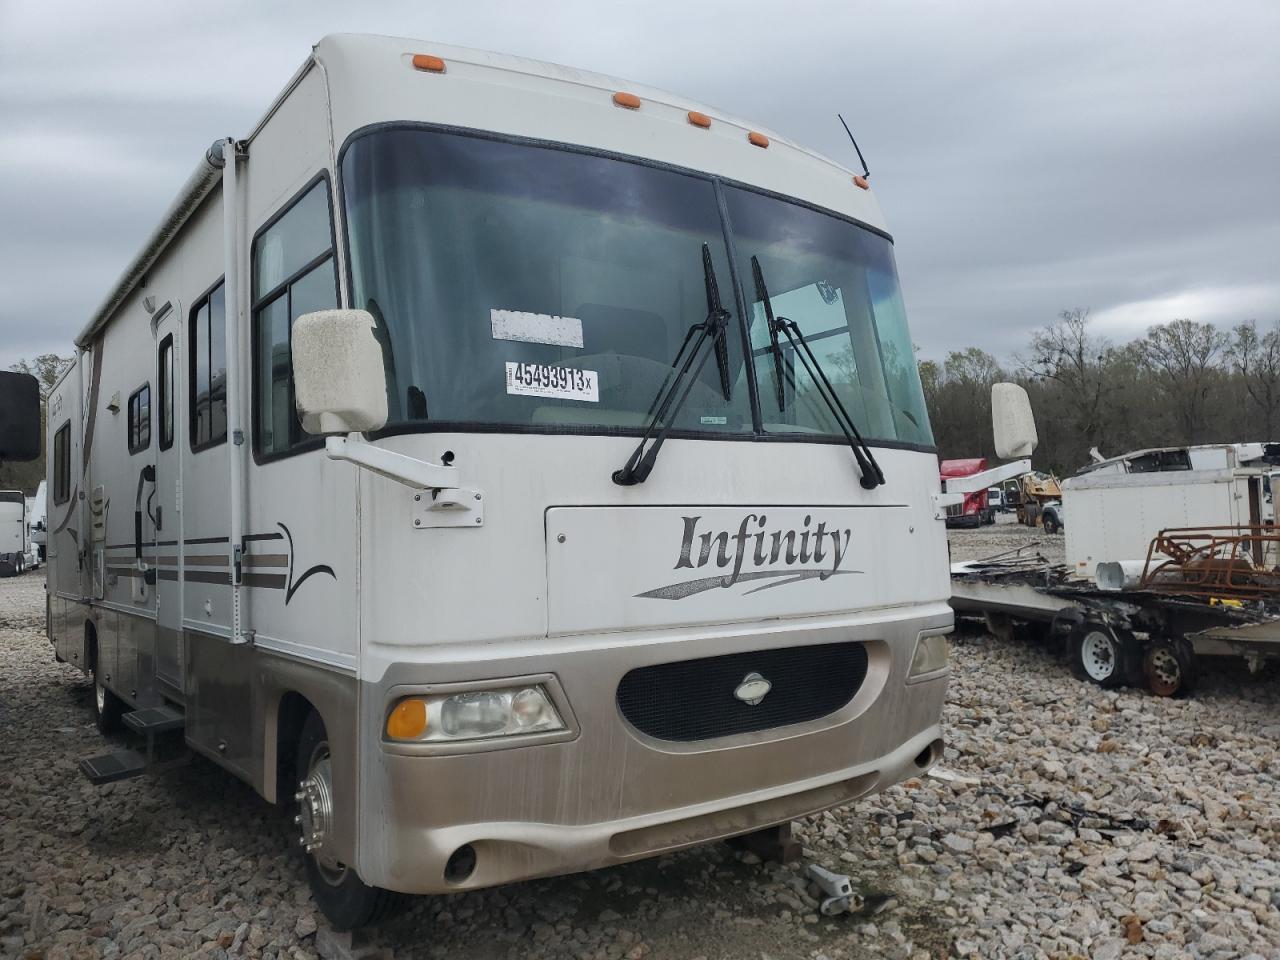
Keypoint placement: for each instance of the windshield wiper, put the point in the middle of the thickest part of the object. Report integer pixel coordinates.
(871, 474)
(669, 399)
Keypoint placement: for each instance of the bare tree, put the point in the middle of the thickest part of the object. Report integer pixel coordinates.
(1257, 360)
(1065, 353)
(46, 367)
(1183, 354)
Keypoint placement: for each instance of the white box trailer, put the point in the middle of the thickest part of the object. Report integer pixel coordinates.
(475, 635)
(1118, 506)
(15, 543)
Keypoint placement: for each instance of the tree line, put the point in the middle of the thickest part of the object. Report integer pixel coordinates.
(1182, 383)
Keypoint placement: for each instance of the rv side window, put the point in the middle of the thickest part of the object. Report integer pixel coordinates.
(62, 464)
(140, 419)
(165, 376)
(207, 389)
(293, 273)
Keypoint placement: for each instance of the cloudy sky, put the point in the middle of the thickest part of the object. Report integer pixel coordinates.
(1030, 156)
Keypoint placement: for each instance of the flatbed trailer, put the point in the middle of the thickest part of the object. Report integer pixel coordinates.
(1139, 637)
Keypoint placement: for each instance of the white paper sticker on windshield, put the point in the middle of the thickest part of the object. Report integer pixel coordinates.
(562, 383)
(536, 328)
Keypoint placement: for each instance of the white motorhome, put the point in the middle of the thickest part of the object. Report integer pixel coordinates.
(347, 478)
(1118, 505)
(15, 544)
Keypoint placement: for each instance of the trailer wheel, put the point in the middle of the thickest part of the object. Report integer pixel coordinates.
(1098, 654)
(999, 625)
(346, 900)
(1168, 667)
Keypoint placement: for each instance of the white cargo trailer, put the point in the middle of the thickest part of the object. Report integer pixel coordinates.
(15, 544)
(1117, 506)
(355, 477)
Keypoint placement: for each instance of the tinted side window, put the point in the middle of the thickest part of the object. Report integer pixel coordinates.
(62, 464)
(207, 390)
(165, 371)
(293, 273)
(140, 419)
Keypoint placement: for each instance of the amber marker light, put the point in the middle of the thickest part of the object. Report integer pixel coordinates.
(408, 720)
(424, 61)
(628, 100)
(757, 139)
(699, 119)
(860, 181)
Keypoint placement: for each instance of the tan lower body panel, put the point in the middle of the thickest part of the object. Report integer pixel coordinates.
(609, 794)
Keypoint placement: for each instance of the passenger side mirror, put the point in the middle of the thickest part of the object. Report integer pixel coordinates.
(19, 417)
(1012, 421)
(338, 377)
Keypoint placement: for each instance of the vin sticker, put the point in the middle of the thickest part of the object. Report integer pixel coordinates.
(535, 328)
(543, 380)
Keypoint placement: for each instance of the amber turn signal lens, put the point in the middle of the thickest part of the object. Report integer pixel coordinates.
(860, 181)
(628, 100)
(758, 139)
(699, 119)
(424, 61)
(408, 721)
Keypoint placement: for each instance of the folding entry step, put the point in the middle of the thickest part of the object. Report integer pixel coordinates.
(111, 767)
(150, 722)
(154, 720)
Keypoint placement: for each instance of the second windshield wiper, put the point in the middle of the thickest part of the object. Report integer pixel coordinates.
(871, 474)
(669, 399)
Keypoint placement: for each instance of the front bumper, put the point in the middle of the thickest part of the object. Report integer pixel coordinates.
(608, 794)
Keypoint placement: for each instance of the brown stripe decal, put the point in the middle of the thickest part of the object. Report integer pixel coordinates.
(269, 581)
(208, 576)
(207, 560)
(167, 574)
(266, 560)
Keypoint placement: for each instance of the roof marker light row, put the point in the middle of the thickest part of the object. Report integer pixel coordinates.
(629, 101)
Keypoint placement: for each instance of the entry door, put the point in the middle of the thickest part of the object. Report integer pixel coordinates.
(168, 499)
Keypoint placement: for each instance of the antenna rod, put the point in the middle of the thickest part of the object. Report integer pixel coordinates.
(865, 172)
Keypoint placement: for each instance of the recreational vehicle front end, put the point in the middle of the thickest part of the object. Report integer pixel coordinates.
(525, 470)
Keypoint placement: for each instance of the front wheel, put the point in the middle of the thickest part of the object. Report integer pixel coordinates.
(107, 707)
(1051, 524)
(346, 900)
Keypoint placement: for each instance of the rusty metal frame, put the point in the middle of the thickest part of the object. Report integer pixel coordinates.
(1229, 563)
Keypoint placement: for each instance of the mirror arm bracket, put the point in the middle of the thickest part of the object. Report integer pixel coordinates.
(413, 473)
(438, 499)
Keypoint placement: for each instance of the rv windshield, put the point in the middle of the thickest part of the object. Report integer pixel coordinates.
(532, 286)
(838, 282)
(529, 286)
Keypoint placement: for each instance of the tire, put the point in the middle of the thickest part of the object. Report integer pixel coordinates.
(107, 707)
(999, 625)
(1051, 524)
(345, 900)
(1169, 668)
(1099, 655)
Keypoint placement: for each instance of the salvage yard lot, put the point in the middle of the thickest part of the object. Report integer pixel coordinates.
(1103, 824)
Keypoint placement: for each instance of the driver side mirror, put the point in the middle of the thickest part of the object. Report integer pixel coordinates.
(19, 417)
(1012, 421)
(338, 376)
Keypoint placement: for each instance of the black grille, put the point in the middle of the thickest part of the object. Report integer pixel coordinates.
(694, 699)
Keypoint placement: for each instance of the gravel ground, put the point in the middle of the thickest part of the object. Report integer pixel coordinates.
(1102, 824)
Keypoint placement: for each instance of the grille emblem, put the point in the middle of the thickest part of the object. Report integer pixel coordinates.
(752, 689)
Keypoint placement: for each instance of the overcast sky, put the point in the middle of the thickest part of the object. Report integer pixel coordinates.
(1029, 156)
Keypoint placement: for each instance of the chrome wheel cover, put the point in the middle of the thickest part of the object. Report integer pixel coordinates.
(315, 814)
